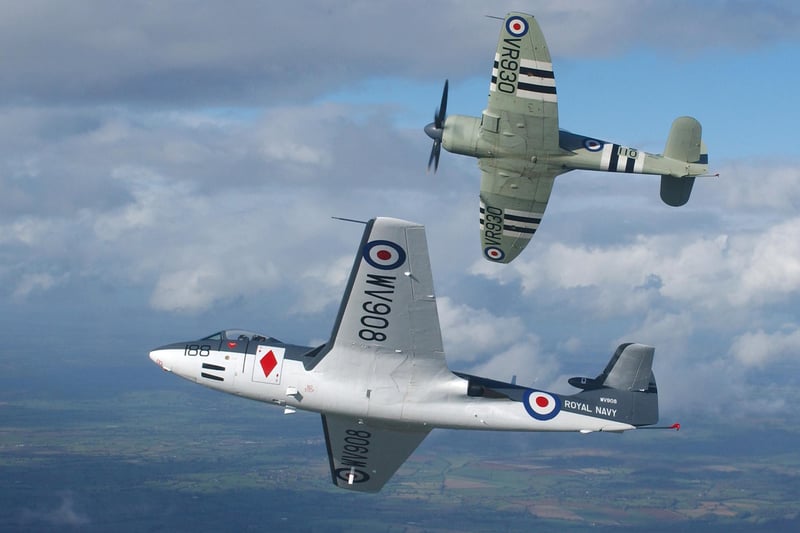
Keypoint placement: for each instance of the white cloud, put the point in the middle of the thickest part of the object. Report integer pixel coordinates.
(254, 50)
(204, 283)
(322, 285)
(155, 200)
(702, 271)
(761, 185)
(597, 29)
(25, 230)
(65, 515)
(277, 150)
(192, 207)
(759, 348)
(29, 283)
(286, 135)
(571, 345)
(771, 269)
(670, 331)
(525, 359)
(470, 333)
(498, 347)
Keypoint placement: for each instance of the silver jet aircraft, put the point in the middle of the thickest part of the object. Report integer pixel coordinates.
(381, 383)
(520, 149)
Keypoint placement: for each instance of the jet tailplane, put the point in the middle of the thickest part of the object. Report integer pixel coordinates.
(626, 390)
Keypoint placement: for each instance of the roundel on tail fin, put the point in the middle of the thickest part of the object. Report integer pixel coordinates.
(384, 255)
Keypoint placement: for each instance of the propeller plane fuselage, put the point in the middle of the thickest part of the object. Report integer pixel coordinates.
(520, 148)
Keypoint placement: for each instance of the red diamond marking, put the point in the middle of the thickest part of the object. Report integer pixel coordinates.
(268, 363)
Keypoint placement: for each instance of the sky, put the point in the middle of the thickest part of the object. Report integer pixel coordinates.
(168, 170)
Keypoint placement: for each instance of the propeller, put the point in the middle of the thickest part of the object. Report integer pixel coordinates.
(435, 130)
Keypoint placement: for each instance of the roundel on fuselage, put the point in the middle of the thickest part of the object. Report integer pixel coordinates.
(541, 405)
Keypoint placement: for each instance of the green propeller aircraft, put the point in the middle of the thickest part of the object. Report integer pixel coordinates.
(520, 148)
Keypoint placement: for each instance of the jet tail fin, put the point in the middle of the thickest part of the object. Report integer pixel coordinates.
(626, 389)
(630, 368)
(684, 144)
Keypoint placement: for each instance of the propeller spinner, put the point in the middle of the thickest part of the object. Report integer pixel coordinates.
(435, 130)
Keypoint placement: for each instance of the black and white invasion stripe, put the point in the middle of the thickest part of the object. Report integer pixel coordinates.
(520, 224)
(534, 80)
(612, 161)
(517, 224)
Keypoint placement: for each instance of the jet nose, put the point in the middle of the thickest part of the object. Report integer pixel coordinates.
(158, 356)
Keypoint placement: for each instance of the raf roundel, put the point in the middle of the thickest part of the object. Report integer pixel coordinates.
(541, 405)
(384, 255)
(593, 145)
(359, 476)
(493, 253)
(517, 26)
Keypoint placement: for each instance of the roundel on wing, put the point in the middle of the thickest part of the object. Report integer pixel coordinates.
(493, 253)
(359, 476)
(541, 405)
(517, 26)
(385, 255)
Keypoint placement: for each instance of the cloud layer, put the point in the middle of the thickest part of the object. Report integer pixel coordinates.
(185, 161)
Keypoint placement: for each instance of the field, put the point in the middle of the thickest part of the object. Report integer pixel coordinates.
(174, 457)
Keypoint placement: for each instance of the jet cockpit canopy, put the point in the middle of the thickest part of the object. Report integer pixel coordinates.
(237, 335)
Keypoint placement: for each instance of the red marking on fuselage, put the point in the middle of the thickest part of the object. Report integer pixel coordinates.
(541, 401)
(268, 363)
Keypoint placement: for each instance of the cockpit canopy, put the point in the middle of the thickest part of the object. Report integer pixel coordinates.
(237, 335)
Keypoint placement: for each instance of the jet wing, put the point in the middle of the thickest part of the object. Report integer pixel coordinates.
(522, 93)
(512, 206)
(389, 304)
(363, 457)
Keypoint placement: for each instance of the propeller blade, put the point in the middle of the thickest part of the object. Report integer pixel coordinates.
(441, 112)
(434, 158)
(435, 130)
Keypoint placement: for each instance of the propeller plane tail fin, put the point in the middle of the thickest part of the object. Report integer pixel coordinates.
(684, 145)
